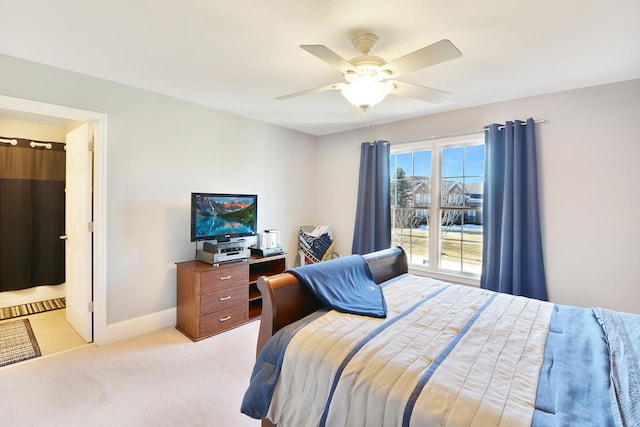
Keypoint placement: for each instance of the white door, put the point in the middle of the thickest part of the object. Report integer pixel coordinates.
(78, 267)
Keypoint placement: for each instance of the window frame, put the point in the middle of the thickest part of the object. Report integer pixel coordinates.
(437, 147)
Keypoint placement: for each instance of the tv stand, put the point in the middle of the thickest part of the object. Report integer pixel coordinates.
(214, 298)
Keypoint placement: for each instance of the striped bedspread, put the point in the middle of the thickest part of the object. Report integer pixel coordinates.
(445, 355)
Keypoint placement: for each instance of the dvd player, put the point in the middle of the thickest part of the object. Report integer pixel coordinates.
(222, 257)
(221, 252)
(224, 247)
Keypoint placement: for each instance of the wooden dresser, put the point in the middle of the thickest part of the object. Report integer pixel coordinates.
(215, 298)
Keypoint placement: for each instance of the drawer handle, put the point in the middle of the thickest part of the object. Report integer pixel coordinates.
(225, 298)
(225, 278)
(224, 319)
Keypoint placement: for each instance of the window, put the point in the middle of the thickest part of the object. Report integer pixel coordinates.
(441, 179)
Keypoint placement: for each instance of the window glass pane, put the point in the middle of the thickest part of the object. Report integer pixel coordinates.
(452, 161)
(461, 241)
(399, 180)
(392, 172)
(422, 164)
(472, 220)
(451, 240)
(420, 248)
(450, 254)
(474, 191)
(401, 191)
(474, 161)
(452, 193)
(472, 257)
(401, 229)
(404, 161)
(450, 223)
(421, 192)
(410, 229)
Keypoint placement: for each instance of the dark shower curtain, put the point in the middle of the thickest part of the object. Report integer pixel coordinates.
(32, 214)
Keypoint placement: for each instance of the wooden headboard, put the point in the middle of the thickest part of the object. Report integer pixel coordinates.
(285, 299)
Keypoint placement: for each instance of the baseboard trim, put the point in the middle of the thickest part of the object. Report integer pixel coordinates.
(140, 325)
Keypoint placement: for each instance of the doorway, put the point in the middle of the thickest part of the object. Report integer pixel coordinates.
(96, 263)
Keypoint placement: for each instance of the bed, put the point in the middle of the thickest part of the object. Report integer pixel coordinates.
(437, 354)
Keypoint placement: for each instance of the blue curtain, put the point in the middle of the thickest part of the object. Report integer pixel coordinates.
(512, 250)
(373, 213)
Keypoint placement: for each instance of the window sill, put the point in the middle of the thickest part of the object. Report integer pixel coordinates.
(464, 279)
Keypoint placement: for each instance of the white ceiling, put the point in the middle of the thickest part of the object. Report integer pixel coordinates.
(239, 55)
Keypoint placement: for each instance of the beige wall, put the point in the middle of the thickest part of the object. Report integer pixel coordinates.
(589, 170)
(38, 131)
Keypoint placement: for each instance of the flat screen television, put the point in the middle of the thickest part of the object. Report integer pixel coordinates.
(222, 217)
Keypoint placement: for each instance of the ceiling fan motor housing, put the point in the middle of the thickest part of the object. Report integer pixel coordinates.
(365, 42)
(367, 65)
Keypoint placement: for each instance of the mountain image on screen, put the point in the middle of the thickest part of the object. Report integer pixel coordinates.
(224, 216)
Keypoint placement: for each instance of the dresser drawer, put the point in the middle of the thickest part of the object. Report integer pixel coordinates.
(222, 320)
(224, 277)
(218, 300)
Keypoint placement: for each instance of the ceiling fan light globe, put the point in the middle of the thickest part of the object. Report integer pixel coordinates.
(366, 93)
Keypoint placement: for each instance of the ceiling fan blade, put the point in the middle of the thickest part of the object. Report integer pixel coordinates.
(329, 56)
(335, 86)
(433, 54)
(424, 93)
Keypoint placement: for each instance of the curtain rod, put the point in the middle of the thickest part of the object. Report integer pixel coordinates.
(451, 135)
(9, 141)
(32, 144)
(521, 124)
(46, 145)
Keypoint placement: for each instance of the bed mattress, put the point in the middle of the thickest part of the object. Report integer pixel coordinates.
(451, 355)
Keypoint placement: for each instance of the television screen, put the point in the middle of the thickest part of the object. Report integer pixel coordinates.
(221, 217)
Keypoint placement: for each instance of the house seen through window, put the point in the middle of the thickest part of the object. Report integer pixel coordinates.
(436, 203)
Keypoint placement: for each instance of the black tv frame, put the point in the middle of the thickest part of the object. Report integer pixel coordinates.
(220, 238)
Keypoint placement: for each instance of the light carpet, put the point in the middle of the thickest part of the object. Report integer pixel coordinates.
(159, 379)
(17, 342)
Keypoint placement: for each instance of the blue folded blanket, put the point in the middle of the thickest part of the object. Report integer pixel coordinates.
(344, 284)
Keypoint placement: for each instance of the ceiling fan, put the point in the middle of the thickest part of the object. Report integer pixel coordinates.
(369, 79)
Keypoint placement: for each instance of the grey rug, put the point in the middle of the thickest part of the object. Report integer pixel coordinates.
(17, 342)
